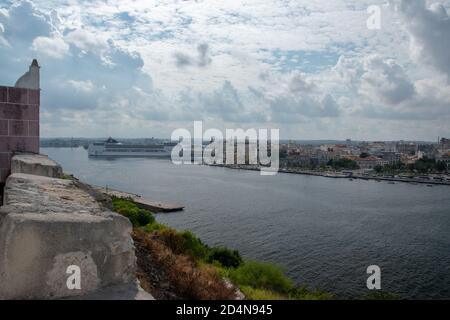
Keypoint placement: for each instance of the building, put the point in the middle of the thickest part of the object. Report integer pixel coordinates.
(19, 118)
(407, 148)
(444, 157)
(391, 157)
(366, 163)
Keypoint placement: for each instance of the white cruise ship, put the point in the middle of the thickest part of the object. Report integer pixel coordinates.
(113, 148)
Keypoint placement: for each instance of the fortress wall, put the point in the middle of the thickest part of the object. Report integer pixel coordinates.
(49, 225)
(19, 124)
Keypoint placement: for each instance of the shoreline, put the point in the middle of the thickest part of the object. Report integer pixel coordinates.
(336, 175)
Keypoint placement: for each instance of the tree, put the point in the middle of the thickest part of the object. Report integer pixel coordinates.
(378, 168)
(441, 166)
(364, 155)
(344, 163)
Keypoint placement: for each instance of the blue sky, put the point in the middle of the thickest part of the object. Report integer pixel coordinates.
(310, 68)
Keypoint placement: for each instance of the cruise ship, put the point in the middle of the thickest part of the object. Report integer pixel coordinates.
(114, 148)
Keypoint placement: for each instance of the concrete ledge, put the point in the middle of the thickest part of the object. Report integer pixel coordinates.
(38, 249)
(48, 224)
(39, 194)
(35, 164)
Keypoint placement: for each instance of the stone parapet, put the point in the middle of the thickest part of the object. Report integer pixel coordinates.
(48, 225)
(40, 165)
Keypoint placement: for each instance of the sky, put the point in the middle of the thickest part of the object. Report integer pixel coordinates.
(313, 68)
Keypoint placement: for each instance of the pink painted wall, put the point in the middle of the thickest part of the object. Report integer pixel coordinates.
(19, 124)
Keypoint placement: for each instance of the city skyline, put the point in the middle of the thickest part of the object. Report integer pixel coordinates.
(313, 69)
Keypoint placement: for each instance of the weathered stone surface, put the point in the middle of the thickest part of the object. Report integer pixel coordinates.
(18, 128)
(3, 94)
(49, 224)
(19, 144)
(17, 95)
(19, 116)
(39, 194)
(30, 79)
(38, 249)
(3, 127)
(33, 128)
(36, 164)
(19, 111)
(5, 160)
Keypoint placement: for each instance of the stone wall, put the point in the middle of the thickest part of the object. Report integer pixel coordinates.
(19, 124)
(49, 225)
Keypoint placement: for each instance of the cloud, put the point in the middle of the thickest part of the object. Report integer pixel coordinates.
(429, 28)
(87, 41)
(386, 80)
(313, 69)
(202, 60)
(82, 86)
(380, 89)
(54, 47)
(80, 70)
(23, 23)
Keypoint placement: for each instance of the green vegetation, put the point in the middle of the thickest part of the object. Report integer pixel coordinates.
(261, 276)
(424, 165)
(255, 279)
(267, 281)
(67, 176)
(364, 155)
(138, 217)
(225, 257)
(339, 164)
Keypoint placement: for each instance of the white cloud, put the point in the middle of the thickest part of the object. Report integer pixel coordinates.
(83, 86)
(311, 68)
(386, 81)
(87, 41)
(54, 47)
(429, 28)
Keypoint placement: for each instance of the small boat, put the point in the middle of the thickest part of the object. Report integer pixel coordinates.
(429, 185)
(391, 182)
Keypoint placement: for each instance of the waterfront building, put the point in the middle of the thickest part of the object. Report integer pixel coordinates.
(391, 157)
(407, 148)
(366, 163)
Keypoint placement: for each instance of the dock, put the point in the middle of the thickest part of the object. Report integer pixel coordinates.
(141, 202)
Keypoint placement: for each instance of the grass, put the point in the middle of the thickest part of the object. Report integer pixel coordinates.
(138, 217)
(261, 294)
(197, 270)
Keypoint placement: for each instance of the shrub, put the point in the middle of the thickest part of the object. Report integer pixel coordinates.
(261, 276)
(183, 243)
(226, 257)
(155, 226)
(138, 217)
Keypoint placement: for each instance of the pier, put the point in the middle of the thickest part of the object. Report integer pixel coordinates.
(141, 202)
